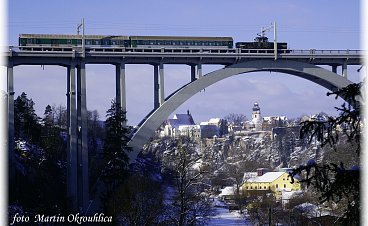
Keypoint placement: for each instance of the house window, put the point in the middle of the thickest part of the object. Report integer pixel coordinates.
(265, 187)
(277, 186)
(284, 185)
(251, 187)
(246, 187)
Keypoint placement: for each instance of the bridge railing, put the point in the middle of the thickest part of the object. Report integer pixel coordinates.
(36, 49)
(326, 52)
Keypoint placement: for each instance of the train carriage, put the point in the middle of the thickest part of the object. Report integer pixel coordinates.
(49, 40)
(67, 42)
(181, 42)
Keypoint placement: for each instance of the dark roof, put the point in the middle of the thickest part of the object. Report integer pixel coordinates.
(181, 119)
(256, 107)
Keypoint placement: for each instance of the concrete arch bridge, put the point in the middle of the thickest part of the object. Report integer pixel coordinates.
(323, 77)
(301, 63)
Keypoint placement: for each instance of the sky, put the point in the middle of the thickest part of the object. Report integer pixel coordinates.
(302, 24)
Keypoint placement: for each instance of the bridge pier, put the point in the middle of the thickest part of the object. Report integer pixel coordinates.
(192, 73)
(77, 147)
(199, 70)
(334, 68)
(344, 70)
(83, 179)
(10, 117)
(156, 88)
(72, 147)
(162, 84)
(120, 86)
(158, 85)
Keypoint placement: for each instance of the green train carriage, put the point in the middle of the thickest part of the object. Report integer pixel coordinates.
(180, 42)
(49, 40)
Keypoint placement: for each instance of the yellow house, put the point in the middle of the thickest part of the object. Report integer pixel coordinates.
(273, 181)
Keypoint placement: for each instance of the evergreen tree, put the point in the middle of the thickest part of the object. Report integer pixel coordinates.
(115, 148)
(333, 180)
(26, 120)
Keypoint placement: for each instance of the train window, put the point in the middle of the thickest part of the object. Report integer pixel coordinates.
(88, 42)
(69, 41)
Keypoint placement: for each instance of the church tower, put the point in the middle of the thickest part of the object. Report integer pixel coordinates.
(256, 116)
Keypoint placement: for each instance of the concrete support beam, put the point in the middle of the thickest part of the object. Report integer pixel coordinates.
(334, 68)
(344, 70)
(192, 73)
(156, 88)
(199, 70)
(83, 182)
(11, 130)
(72, 147)
(162, 84)
(120, 86)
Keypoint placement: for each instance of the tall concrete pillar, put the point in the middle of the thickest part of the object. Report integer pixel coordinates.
(192, 73)
(334, 68)
(162, 84)
(344, 70)
(156, 88)
(83, 180)
(72, 147)
(199, 70)
(120, 86)
(11, 130)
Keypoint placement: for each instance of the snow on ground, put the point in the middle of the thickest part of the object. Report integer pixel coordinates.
(224, 218)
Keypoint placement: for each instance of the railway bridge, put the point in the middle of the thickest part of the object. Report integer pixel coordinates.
(302, 63)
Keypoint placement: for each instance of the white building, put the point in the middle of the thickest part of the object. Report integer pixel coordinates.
(193, 131)
(170, 127)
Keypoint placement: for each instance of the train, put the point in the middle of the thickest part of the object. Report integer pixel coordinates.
(92, 41)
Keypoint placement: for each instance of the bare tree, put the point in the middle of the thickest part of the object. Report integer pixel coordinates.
(236, 119)
(191, 206)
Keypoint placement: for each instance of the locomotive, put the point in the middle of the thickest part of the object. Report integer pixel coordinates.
(53, 40)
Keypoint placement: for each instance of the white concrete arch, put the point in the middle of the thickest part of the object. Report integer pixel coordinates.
(151, 123)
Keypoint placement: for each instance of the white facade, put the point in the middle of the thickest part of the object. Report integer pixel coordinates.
(192, 131)
(257, 117)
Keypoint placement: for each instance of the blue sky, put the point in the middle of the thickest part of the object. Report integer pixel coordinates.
(303, 24)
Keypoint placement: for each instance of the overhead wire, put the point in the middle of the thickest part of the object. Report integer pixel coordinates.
(101, 25)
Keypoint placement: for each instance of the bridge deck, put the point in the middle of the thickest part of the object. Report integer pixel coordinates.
(58, 55)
